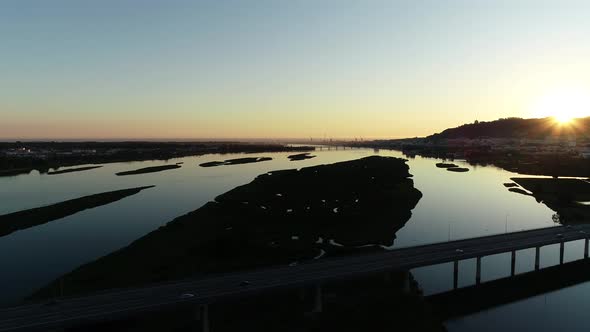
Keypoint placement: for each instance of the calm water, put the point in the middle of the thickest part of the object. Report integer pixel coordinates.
(454, 206)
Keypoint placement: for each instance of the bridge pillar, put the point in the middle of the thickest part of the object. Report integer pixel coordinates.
(301, 293)
(406, 282)
(202, 315)
(513, 264)
(317, 299)
(455, 274)
(388, 277)
(586, 248)
(561, 250)
(478, 271)
(537, 257)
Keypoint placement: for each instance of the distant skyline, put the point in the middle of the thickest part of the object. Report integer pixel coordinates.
(285, 69)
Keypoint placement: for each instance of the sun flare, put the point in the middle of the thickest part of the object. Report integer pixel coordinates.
(563, 105)
(563, 119)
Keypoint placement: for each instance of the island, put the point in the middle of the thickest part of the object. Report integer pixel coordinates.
(282, 217)
(446, 165)
(458, 169)
(72, 170)
(238, 161)
(152, 169)
(212, 164)
(519, 191)
(300, 156)
(13, 222)
(567, 197)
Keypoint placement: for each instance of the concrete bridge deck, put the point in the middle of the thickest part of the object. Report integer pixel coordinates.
(200, 292)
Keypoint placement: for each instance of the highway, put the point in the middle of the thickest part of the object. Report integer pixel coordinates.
(116, 304)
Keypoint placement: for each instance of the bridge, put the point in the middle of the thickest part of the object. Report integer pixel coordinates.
(476, 298)
(202, 292)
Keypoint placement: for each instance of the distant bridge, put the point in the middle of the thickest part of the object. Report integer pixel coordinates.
(202, 292)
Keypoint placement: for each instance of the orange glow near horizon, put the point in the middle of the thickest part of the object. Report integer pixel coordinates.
(564, 105)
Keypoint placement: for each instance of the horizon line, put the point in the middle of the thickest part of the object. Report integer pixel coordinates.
(179, 139)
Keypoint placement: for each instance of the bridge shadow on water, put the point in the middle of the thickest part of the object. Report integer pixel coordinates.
(476, 298)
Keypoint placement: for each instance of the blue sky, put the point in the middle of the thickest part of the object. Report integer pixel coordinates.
(194, 69)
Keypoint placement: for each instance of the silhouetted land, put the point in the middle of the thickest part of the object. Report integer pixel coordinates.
(212, 164)
(508, 158)
(238, 161)
(458, 169)
(510, 185)
(519, 191)
(526, 146)
(515, 128)
(445, 165)
(23, 157)
(279, 218)
(511, 160)
(152, 169)
(15, 171)
(12, 222)
(300, 156)
(560, 195)
(72, 170)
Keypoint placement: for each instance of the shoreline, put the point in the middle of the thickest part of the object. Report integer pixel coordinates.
(95, 153)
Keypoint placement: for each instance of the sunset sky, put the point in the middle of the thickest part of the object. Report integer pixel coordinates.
(294, 69)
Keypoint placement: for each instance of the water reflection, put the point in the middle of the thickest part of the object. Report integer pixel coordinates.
(564, 309)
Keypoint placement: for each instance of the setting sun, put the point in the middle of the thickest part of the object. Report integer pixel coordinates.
(563, 105)
(563, 119)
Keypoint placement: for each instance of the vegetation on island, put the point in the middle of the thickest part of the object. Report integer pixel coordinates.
(446, 165)
(152, 169)
(458, 169)
(281, 217)
(519, 191)
(300, 156)
(212, 164)
(238, 161)
(452, 167)
(12, 222)
(564, 196)
(72, 170)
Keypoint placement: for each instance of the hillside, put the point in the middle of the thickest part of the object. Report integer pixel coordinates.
(516, 128)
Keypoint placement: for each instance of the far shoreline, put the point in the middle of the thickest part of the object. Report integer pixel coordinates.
(21, 158)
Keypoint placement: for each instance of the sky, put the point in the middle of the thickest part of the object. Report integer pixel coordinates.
(284, 68)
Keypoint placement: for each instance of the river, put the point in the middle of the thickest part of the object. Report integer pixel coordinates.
(454, 206)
